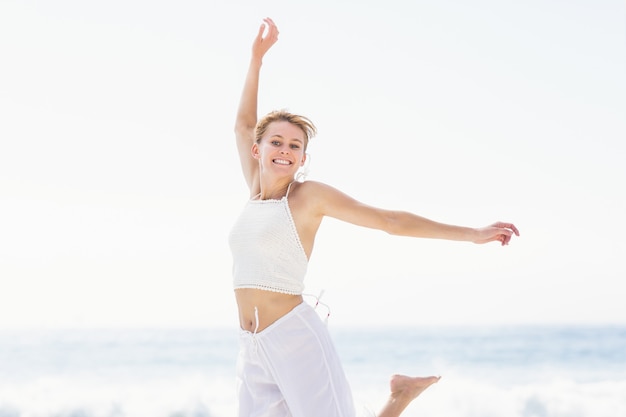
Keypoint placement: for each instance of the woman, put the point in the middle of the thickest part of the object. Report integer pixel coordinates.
(287, 364)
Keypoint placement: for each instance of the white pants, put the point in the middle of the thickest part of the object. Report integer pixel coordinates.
(291, 369)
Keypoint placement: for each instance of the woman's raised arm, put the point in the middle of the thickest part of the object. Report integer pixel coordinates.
(247, 112)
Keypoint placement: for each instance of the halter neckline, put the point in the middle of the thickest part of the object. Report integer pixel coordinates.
(256, 197)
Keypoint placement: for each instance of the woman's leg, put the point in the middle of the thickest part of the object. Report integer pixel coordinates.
(298, 353)
(404, 389)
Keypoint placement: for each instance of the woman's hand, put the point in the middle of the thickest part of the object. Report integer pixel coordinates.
(262, 44)
(499, 231)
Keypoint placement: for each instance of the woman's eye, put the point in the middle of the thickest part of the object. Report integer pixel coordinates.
(275, 143)
(295, 147)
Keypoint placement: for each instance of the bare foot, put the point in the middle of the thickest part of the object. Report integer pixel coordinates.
(404, 389)
(410, 387)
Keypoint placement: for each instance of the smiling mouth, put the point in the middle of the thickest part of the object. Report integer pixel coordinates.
(281, 162)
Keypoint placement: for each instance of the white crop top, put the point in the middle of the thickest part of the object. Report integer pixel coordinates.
(267, 252)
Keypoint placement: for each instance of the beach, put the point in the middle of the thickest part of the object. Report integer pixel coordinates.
(516, 371)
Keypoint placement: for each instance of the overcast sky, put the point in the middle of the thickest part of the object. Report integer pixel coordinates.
(119, 178)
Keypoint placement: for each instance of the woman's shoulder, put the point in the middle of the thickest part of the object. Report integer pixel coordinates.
(311, 186)
(325, 200)
(317, 191)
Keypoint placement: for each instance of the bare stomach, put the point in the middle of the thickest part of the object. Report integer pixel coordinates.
(271, 306)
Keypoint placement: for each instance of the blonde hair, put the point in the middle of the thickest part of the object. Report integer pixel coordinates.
(304, 123)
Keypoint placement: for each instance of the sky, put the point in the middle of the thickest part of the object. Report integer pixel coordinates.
(119, 178)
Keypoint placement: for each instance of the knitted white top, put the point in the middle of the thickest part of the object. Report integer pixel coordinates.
(267, 252)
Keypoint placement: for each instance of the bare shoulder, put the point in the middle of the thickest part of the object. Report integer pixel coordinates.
(320, 187)
(325, 199)
(311, 186)
(309, 196)
(318, 191)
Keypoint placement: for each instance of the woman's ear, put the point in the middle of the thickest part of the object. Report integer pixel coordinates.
(256, 153)
(303, 160)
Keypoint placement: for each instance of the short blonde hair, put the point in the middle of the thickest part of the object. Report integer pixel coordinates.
(302, 122)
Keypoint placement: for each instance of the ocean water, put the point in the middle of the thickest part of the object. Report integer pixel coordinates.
(486, 371)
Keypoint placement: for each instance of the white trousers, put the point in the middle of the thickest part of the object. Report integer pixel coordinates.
(291, 369)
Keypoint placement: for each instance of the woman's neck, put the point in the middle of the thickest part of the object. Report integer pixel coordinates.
(275, 190)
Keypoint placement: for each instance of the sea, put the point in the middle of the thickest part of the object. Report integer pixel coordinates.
(503, 371)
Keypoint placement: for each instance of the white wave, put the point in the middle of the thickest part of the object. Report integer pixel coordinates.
(199, 396)
(63, 396)
(457, 396)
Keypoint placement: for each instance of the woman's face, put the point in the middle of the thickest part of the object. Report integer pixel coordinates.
(281, 149)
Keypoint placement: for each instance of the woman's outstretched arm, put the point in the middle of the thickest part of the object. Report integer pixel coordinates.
(247, 112)
(328, 201)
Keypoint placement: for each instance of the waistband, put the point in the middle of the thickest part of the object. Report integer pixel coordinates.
(300, 308)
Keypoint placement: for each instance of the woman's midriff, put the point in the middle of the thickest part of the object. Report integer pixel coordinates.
(271, 306)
